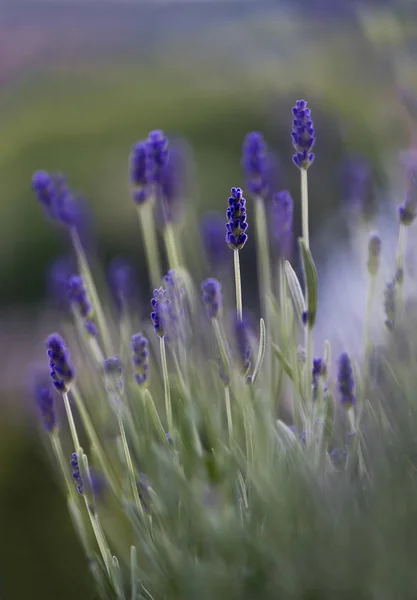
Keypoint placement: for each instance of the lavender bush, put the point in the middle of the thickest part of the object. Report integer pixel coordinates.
(231, 460)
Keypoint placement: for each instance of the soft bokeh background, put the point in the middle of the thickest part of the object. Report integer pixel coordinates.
(80, 83)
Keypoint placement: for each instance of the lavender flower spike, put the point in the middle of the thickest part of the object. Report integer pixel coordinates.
(137, 171)
(345, 381)
(46, 404)
(212, 297)
(79, 299)
(122, 282)
(156, 156)
(255, 162)
(76, 475)
(303, 135)
(282, 222)
(113, 373)
(140, 357)
(212, 232)
(161, 307)
(43, 186)
(407, 211)
(236, 226)
(374, 253)
(61, 369)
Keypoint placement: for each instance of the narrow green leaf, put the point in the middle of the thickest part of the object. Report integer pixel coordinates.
(310, 275)
(261, 351)
(295, 290)
(133, 572)
(284, 363)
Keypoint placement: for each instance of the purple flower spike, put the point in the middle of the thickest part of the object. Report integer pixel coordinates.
(161, 306)
(46, 403)
(236, 226)
(282, 222)
(345, 382)
(256, 164)
(156, 156)
(140, 357)
(78, 296)
(122, 282)
(61, 369)
(175, 178)
(212, 297)
(76, 475)
(137, 171)
(303, 135)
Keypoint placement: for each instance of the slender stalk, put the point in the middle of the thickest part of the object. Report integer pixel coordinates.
(304, 206)
(167, 391)
(57, 447)
(130, 467)
(367, 327)
(91, 432)
(238, 285)
(171, 247)
(145, 213)
(89, 282)
(263, 260)
(228, 412)
(71, 422)
(221, 343)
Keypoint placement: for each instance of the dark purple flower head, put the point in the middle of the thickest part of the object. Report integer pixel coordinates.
(175, 179)
(212, 297)
(76, 475)
(319, 370)
(78, 297)
(256, 164)
(161, 308)
(282, 222)
(156, 156)
(113, 373)
(122, 282)
(243, 344)
(140, 357)
(137, 171)
(236, 216)
(44, 188)
(345, 381)
(46, 403)
(176, 308)
(61, 369)
(212, 230)
(303, 135)
(407, 211)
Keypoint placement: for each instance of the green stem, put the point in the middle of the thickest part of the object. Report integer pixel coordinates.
(264, 266)
(228, 412)
(221, 343)
(304, 206)
(57, 447)
(92, 290)
(171, 247)
(367, 328)
(130, 467)
(238, 285)
(145, 212)
(71, 422)
(167, 391)
(91, 432)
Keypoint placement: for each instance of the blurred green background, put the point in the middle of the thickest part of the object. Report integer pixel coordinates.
(80, 83)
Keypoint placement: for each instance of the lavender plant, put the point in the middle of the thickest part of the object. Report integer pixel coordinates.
(216, 463)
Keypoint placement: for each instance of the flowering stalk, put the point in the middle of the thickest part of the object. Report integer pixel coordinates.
(165, 376)
(374, 251)
(236, 237)
(171, 247)
(153, 260)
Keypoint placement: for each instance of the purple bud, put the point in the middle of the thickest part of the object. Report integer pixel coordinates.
(61, 369)
(76, 475)
(236, 225)
(303, 135)
(78, 297)
(212, 297)
(140, 357)
(345, 381)
(256, 164)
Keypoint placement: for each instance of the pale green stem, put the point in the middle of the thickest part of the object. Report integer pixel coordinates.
(145, 212)
(56, 445)
(367, 328)
(224, 353)
(238, 285)
(92, 291)
(91, 432)
(304, 207)
(228, 412)
(264, 266)
(167, 391)
(130, 467)
(71, 422)
(99, 535)
(171, 247)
